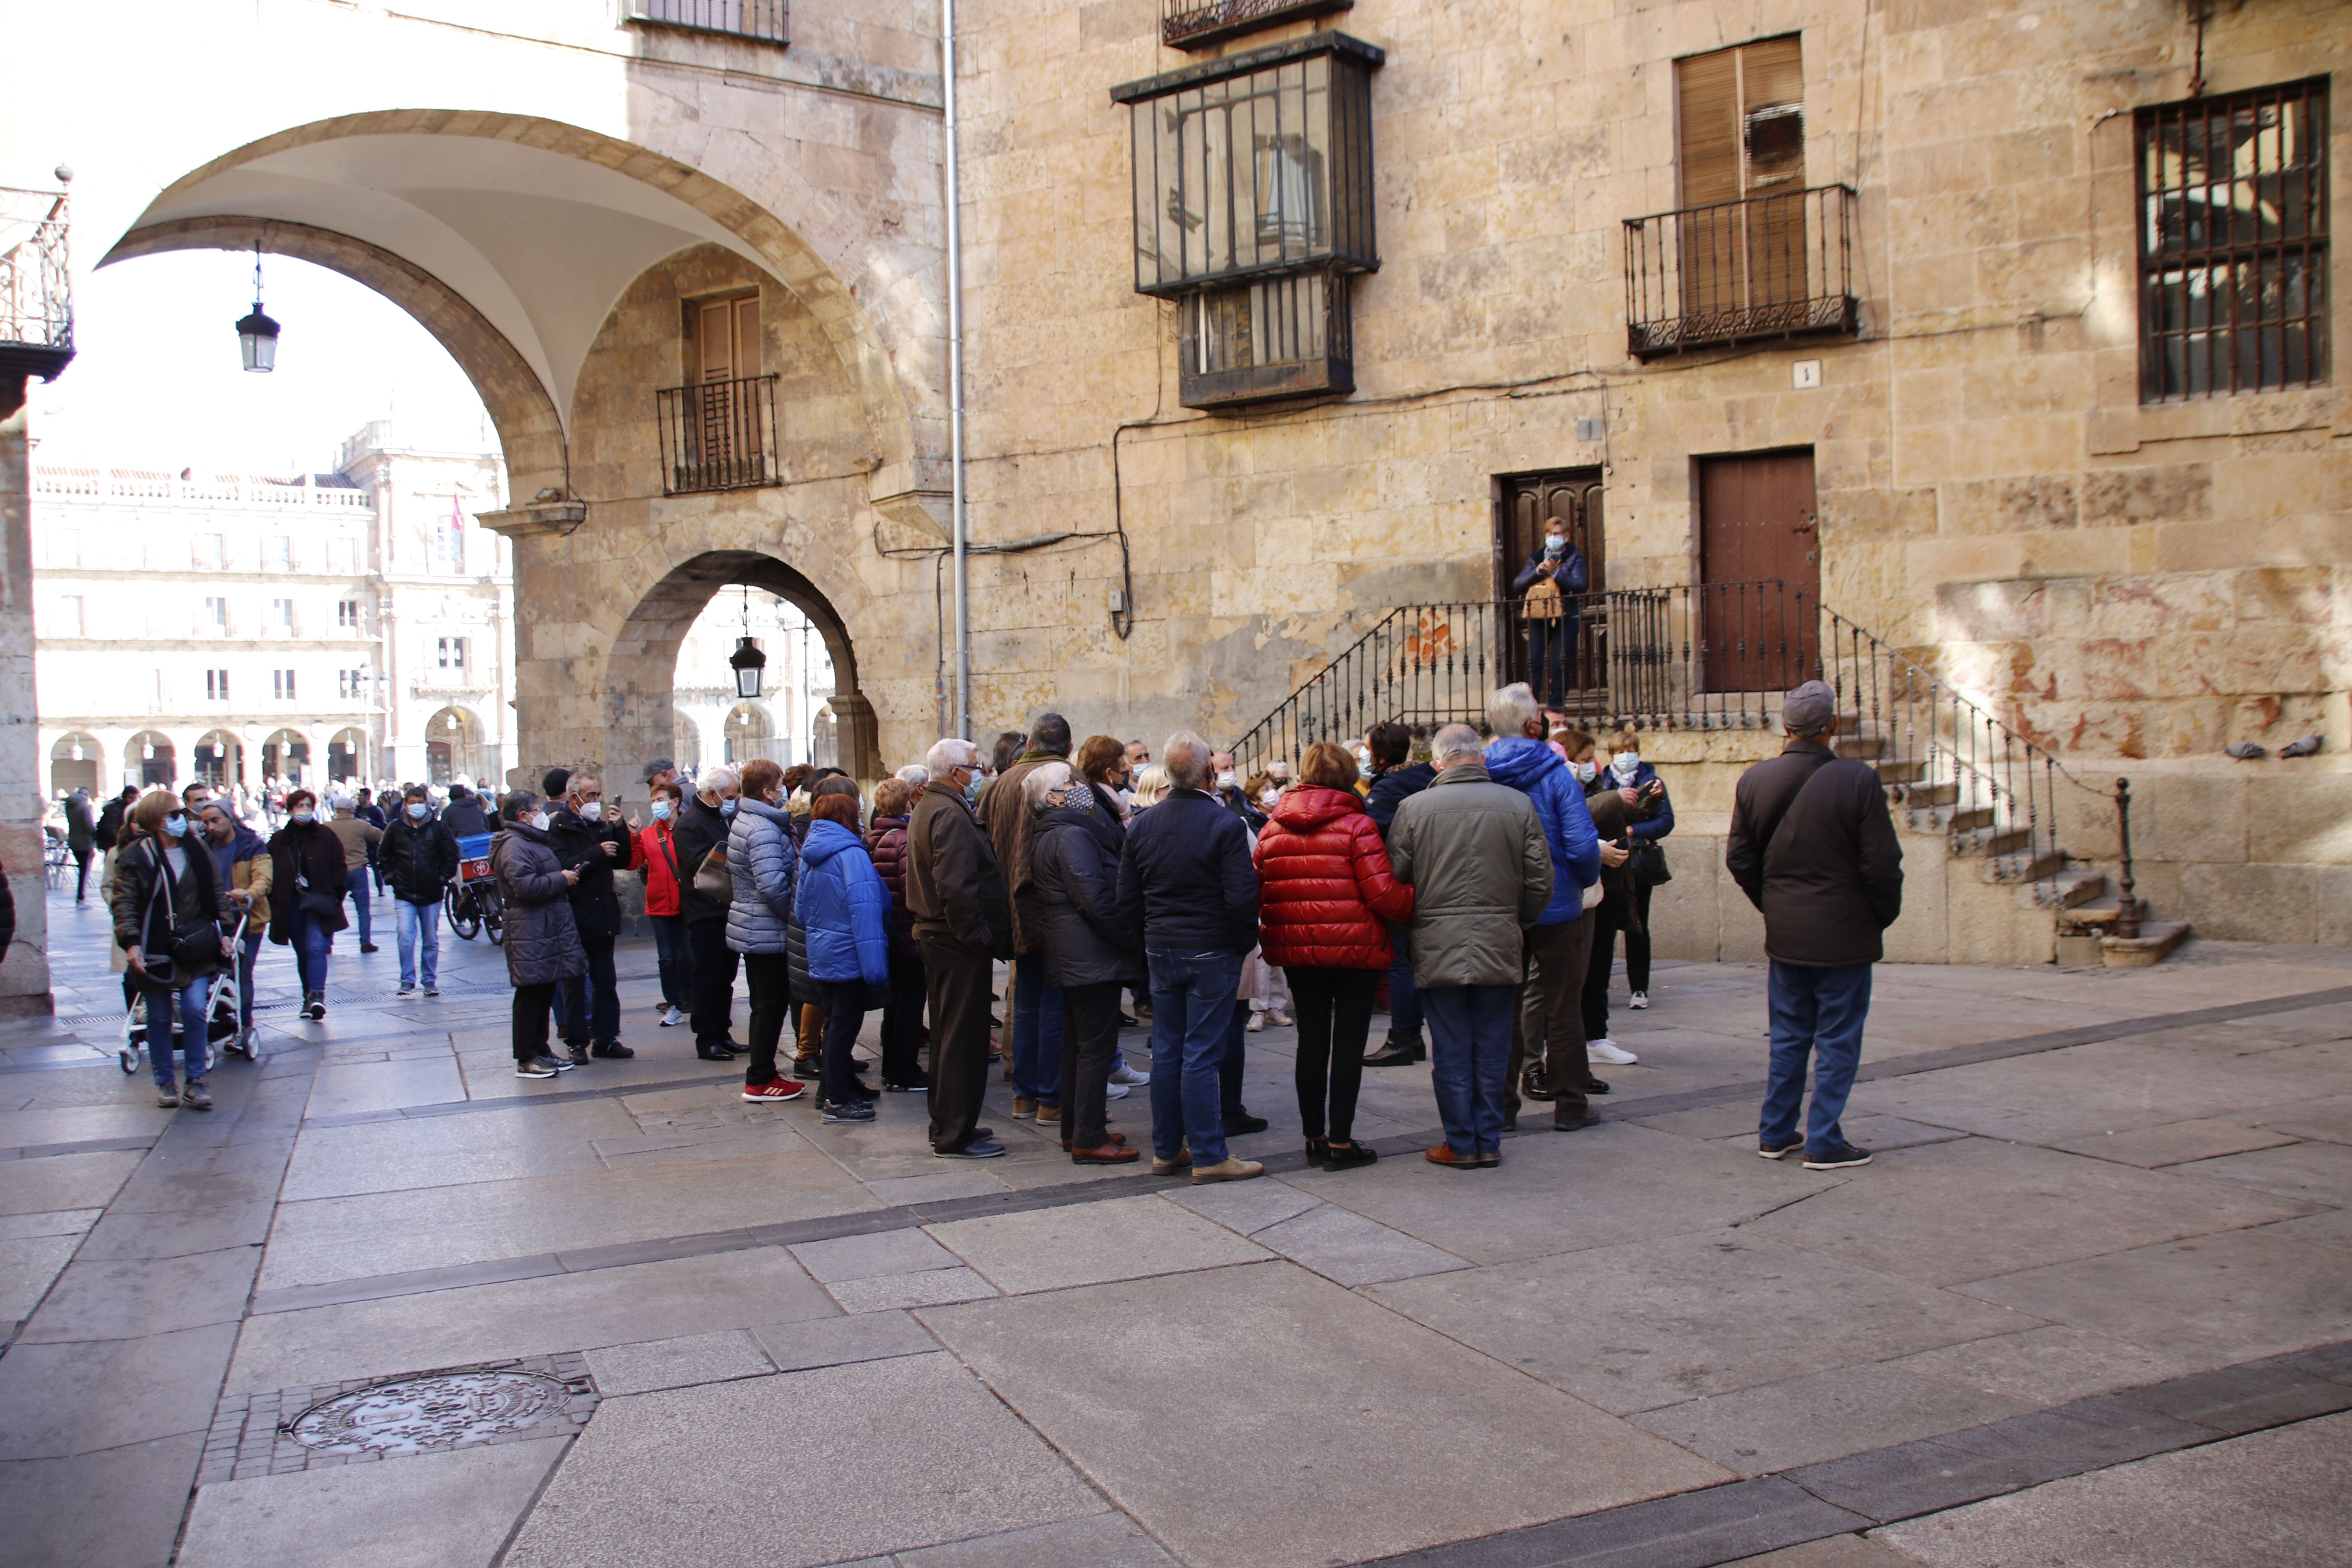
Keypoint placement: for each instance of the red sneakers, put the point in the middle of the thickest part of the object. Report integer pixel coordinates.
(775, 1091)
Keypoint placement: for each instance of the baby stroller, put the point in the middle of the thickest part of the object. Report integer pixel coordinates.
(222, 1035)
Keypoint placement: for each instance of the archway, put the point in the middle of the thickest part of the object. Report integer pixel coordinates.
(453, 747)
(148, 760)
(747, 735)
(345, 750)
(73, 764)
(686, 743)
(220, 759)
(286, 756)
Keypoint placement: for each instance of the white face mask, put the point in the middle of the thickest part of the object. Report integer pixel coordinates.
(1584, 771)
(539, 820)
(1267, 798)
(1225, 779)
(591, 810)
(1626, 762)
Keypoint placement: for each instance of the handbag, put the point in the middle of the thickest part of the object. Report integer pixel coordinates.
(1649, 867)
(712, 880)
(1542, 602)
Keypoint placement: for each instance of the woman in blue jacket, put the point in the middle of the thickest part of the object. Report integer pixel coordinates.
(1552, 630)
(1638, 781)
(845, 908)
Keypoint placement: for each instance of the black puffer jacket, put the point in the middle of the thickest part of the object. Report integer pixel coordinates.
(1830, 879)
(1075, 868)
(595, 907)
(419, 859)
(143, 921)
(542, 942)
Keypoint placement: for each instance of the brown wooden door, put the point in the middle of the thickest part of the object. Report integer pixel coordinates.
(1530, 501)
(723, 430)
(1760, 571)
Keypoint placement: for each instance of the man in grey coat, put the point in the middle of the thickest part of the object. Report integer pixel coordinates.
(1480, 868)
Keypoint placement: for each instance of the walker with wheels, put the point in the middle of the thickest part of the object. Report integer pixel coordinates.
(221, 1031)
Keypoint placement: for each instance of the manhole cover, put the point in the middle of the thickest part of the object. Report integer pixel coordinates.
(410, 1415)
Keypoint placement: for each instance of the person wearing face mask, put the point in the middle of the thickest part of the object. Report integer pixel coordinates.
(308, 879)
(764, 864)
(588, 835)
(1397, 778)
(1615, 817)
(419, 856)
(1227, 783)
(902, 1015)
(241, 860)
(543, 945)
(168, 908)
(655, 859)
(963, 920)
(1089, 952)
(698, 836)
(1551, 615)
(359, 838)
(1637, 783)
(1037, 1032)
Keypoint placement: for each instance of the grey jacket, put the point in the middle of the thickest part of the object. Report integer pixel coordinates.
(1474, 854)
(543, 942)
(765, 864)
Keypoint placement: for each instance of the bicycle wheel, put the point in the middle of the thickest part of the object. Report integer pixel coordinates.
(494, 919)
(463, 919)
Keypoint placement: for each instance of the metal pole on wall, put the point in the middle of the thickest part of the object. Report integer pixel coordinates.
(955, 378)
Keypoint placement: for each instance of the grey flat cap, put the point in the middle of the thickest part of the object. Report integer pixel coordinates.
(659, 765)
(1809, 709)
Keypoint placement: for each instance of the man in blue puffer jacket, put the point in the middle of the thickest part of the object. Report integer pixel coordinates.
(1560, 943)
(846, 909)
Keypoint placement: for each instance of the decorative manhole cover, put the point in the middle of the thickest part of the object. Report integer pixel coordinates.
(440, 1410)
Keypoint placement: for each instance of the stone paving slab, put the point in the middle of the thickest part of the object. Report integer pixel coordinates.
(58, 1222)
(1100, 1541)
(2314, 1173)
(60, 1400)
(1343, 1245)
(1824, 1415)
(388, 1155)
(2173, 1143)
(1088, 1244)
(681, 1362)
(2048, 1365)
(838, 1341)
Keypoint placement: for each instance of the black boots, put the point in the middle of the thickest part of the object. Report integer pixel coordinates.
(1397, 1051)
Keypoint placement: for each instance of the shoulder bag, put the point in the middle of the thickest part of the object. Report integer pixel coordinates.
(712, 880)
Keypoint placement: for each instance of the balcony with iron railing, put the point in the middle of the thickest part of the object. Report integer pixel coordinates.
(1203, 24)
(766, 20)
(1747, 271)
(719, 435)
(36, 287)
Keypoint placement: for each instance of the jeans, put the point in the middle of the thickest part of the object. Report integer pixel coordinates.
(531, 1004)
(1469, 1062)
(770, 978)
(191, 999)
(1192, 1003)
(1404, 1000)
(311, 942)
(844, 1013)
(246, 952)
(1233, 1059)
(1335, 1014)
(355, 883)
(419, 928)
(1037, 1032)
(1551, 657)
(675, 960)
(714, 983)
(1819, 1012)
(588, 1008)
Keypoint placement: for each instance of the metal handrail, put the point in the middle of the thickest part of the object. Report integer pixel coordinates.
(1762, 266)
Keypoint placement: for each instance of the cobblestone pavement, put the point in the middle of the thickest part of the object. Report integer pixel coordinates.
(388, 1305)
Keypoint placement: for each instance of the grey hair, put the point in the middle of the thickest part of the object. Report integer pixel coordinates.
(949, 754)
(915, 775)
(1186, 758)
(1508, 709)
(714, 779)
(1456, 740)
(1042, 780)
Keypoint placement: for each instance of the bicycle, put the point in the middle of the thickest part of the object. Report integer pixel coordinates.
(472, 903)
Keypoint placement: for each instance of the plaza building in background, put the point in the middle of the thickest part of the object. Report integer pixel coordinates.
(317, 627)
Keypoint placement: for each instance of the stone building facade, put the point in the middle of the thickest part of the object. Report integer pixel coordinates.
(2125, 580)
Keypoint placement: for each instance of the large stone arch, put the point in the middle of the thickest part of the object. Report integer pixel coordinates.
(531, 429)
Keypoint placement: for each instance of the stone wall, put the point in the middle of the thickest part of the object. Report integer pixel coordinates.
(25, 971)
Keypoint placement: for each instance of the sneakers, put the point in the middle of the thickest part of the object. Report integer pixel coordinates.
(1126, 1077)
(1397, 1050)
(1049, 1116)
(1765, 1147)
(1278, 1018)
(1837, 1159)
(672, 1018)
(370, 947)
(579, 1055)
(1611, 1052)
(850, 1109)
(978, 1149)
(196, 1099)
(612, 1048)
(431, 989)
(406, 989)
(775, 1091)
(540, 1066)
(1023, 1110)
(1641, 1001)
(1256, 1024)
(1183, 1161)
(314, 1004)
(167, 1097)
(1114, 1092)
(563, 1063)
(1226, 1170)
(918, 1084)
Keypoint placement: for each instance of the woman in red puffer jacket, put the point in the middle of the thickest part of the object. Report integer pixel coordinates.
(1325, 894)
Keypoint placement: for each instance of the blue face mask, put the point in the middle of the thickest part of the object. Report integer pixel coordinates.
(417, 810)
(176, 825)
(661, 811)
(972, 788)
(1555, 547)
(726, 807)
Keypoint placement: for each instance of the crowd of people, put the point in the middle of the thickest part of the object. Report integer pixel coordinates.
(1481, 890)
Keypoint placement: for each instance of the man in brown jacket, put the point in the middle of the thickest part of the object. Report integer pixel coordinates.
(1036, 1054)
(962, 921)
(355, 834)
(1812, 845)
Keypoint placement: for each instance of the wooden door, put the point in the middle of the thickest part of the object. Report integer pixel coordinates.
(1528, 501)
(724, 428)
(1760, 571)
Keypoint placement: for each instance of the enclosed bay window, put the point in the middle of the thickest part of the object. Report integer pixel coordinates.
(1253, 207)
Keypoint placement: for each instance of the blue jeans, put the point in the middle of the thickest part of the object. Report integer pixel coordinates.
(191, 999)
(1817, 1013)
(420, 927)
(1193, 1000)
(246, 952)
(1552, 655)
(311, 942)
(1037, 1032)
(675, 960)
(1404, 1000)
(356, 882)
(1470, 1060)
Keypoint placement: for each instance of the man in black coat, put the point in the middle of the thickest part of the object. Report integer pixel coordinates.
(419, 856)
(584, 833)
(700, 830)
(464, 816)
(1395, 780)
(963, 920)
(1812, 845)
(109, 820)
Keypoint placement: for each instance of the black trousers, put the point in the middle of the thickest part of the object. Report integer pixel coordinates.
(1335, 1017)
(714, 981)
(902, 1020)
(590, 1005)
(1603, 957)
(770, 976)
(1089, 1048)
(844, 1002)
(1549, 1012)
(531, 1005)
(1637, 942)
(957, 978)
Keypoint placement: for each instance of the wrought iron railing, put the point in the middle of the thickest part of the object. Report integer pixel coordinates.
(719, 435)
(1196, 23)
(768, 20)
(1766, 266)
(1710, 657)
(35, 283)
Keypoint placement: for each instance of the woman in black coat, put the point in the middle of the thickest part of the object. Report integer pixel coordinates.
(1089, 954)
(542, 942)
(165, 893)
(306, 894)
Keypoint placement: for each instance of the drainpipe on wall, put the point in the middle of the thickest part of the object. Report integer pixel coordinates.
(955, 379)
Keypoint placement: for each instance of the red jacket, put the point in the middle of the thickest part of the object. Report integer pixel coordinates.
(1324, 887)
(657, 857)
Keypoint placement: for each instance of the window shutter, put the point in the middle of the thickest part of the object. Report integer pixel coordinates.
(714, 336)
(1707, 87)
(747, 336)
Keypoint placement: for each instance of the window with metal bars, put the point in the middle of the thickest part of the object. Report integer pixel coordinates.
(2233, 225)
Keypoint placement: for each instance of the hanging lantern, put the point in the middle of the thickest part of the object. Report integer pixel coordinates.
(257, 334)
(748, 661)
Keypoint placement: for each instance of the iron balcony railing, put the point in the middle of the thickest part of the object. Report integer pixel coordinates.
(1766, 266)
(1198, 24)
(1707, 657)
(719, 435)
(35, 284)
(767, 20)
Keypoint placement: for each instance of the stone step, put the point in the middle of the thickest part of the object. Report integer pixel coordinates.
(2018, 867)
(2153, 945)
(1949, 820)
(1900, 770)
(2066, 891)
(1861, 746)
(1990, 841)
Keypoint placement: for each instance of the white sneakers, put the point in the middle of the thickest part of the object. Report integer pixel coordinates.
(672, 1018)
(1128, 1075)
(1611, 1052)
(1114, 1092)
(1640, 1000)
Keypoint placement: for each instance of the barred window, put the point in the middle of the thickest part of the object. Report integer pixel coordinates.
(2233, 243)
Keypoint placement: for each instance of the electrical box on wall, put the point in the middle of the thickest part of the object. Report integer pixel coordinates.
(1588, 429)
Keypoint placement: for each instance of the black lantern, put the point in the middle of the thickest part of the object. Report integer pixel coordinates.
(257, 335)
(749, 661)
